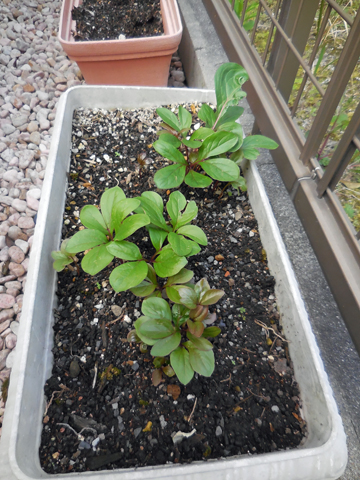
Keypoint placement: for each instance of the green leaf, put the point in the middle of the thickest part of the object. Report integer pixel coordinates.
(169, 371)
(259, 141)
(196, 328)
(156, 308)
(96, 260)
(151, 274)
(237, 130)
(158, 362)
(57, 255)
(197, 180)
(202, 286)
(240, 183)
(188, 297)
(180, 362)
(85, 239)
(221, 169)
(169, 138)
(229, 79)
(175, 204)
(168, 151)
(238, 156)
(168, 263)
(183, 276)
(347, 207)
(63, 246)
(195, 249)
(193, 232)
(185, 118)
(157, 237)
(191, 143)
(200, 343)
(61, 263)
(122, 209)
(179, 244)
(170, 177)
(173, 294)
(130, 225)
(124, 250)
(166, 345)
(231, 114)
(155, 198)
(137, 324)
(128, 275)
(202, 362)
(189, 214)
(154, 212)
(144, 289)
(207, 115)
(250, 153)
(169, 117)
(108, 199)
(201, 133)
(156, 328)
(91, 218)
(216, 144)
(210, 297)
(211, 332)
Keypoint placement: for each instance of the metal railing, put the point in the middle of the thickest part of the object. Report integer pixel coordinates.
(273, 75)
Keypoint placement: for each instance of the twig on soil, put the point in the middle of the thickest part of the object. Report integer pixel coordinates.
(103, 334)
(263, 325)
(51, 400)
(259, 396)
(79, 436)
(247, 350)
(95, 375)
(116, 320)
(226, 379)
(192, 411)
(63, 388)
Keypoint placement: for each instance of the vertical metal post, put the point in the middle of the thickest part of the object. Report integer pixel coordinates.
(341, 156)
(339, 80)
(297, 25)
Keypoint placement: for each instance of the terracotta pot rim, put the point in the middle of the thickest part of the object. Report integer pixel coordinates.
(157, 45)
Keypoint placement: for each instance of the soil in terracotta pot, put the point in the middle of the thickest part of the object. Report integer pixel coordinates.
(108, 19)
(102, 410)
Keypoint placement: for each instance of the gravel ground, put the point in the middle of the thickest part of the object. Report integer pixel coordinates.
(34, 72)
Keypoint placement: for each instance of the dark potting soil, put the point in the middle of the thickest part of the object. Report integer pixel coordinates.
(108, 19)
(102, 410)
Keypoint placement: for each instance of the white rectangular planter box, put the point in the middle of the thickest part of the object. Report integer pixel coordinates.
(324, 454)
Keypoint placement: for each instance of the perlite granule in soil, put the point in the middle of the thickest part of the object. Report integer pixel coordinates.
(102, 410)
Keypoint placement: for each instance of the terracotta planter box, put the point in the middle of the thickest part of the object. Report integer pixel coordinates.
(322, 456)
(134, 61)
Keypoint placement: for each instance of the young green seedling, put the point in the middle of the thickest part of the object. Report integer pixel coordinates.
(201, 157)
(181, 331)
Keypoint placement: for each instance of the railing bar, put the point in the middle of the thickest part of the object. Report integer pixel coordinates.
(270, 33)
(232, 5)
(341, 156)
(282, 66)
(256, 24)
(312, 58)
(348, 18)
(356, 141)
(243, 12)
(339, 80)
(294, 50)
